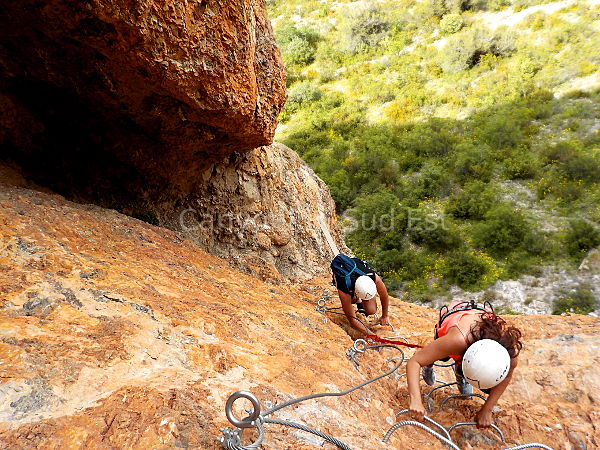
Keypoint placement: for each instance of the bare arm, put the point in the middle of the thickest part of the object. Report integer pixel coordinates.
(451, 344)
(349, 312)
(383, 297)
(484, 416)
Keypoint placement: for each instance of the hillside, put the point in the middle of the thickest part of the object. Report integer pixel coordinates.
(460, 140)
(118, 334)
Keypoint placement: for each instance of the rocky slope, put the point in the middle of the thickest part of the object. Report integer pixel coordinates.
(118, 334)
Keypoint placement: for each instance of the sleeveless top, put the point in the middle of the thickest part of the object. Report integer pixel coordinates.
(452, 321)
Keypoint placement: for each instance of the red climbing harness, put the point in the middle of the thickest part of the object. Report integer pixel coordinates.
(381, 340)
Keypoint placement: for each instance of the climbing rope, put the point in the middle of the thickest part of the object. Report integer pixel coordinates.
(232, 439)
(381, 340)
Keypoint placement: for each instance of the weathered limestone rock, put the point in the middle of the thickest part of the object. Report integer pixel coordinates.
(260, 207)
(116, 101)
(118, 334)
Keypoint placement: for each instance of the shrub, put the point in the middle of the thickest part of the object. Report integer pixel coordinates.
(521, 165)
(581, 237)
(473, 202)
(502, 129)
(562, 152)
(433, 232)
(403, 265)
(489, 5)
(377, 219)
(451, 23)
(365, 29)
(301, 94)
(556, 185)
(579, 301)
(430, 139)
(503, 230)
(465, 268)
(538, 243)
(298, 45)
(432, 181)
(583, 167)
(389, 260)
(473, 162)
(398, 40)
(341, 189)
(464, 50)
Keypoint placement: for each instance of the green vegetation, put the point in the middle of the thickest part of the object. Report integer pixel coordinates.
(456, 151)
(580, 301)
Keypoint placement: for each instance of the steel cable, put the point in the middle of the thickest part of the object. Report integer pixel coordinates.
(339, 394)
(231, 445)
(423, 427)
(231, 438)
(431, 421)
(302, 427)
(530, 445)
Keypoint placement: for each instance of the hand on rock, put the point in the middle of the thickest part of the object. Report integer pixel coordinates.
(483, 419)
(385, 321)
(417, 410)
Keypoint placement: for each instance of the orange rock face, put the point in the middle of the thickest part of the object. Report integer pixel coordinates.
(134, 97)
(118, 334)
(260, 211)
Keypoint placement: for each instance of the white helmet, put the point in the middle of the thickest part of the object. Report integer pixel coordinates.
(485, 363)
(365, 288)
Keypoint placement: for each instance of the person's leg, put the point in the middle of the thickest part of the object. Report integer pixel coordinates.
(428, 374)
(370, 306)
(463, 385)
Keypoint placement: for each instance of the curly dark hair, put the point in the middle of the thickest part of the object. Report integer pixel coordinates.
(495, 327)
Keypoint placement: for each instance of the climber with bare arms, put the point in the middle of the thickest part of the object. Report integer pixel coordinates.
(484, 348)
(358, 284)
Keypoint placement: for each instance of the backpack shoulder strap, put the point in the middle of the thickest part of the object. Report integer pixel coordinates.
(348, 278)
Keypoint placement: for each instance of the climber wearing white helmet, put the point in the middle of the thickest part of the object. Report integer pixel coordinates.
(484, 347)
(358, 284)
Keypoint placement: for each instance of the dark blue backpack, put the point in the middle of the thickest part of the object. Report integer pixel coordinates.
(345, 267)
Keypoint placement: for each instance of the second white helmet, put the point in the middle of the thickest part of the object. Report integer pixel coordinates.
(365, 288)
(485, 363)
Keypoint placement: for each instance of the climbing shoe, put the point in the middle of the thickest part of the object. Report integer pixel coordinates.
(463, 385)
(428, 375)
